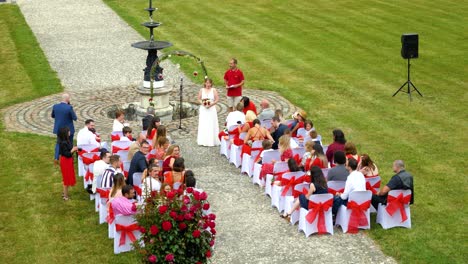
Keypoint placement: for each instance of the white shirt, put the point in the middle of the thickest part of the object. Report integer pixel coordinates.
(117, 126)
(99, 167)
(123, 138)
(86, 137)
(266, 150)
(355, 182)
(148, 183)
(233, 117)
(293, 144)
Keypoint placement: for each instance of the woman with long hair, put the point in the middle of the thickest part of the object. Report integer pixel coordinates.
(153, 127)
(172, 153)
(208, 127)
(351, 152)
(317, 158)
(368, 167)
(117, 185)
(66, 150)
(162, 133)
(248, 105)
(177, 173)
(339, 142)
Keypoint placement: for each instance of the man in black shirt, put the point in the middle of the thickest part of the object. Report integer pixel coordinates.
(402, 180)
(138, 163)
(278, 130)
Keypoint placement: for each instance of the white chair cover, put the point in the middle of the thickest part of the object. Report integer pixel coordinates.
(266, 123)
(257, 168)
(87, 148)
(123, 155)
(303, 187)
(325, 172)
(124, 221)
(388, 221)
(120, 145)
(310, 228)
(103, 207)
(299, 151)
(235, 152)
(301, 132)
(97, 199)
(345, 212)
(248, 160)
(336, 186)
(286, 202)
(373, 185)
(225, 143)
(279, 166)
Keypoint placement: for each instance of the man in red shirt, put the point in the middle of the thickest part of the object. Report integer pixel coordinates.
(234, 79)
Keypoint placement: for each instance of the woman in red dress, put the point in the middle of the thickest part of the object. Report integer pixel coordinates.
(66, 150)
(153, 128)
(339, 141)
(351, 152)
(318, 158)
(248, 105)
(300, 118)
(255, 133)
(172, 153)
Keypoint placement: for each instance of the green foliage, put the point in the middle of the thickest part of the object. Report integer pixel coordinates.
(340, 61)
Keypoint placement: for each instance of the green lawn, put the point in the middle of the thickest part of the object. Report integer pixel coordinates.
(36, 225)
(340, 61)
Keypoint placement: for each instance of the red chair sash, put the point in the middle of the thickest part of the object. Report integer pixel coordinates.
(278, 176)
(103, 193)
(297, 193)
(318, 210)
(297, 158)
(398, 203)
(110, 216)
(88, 161)
(89, 175)
(290, 184)
(358, 215)
(137, 189)
(372, 188)
(126, 231)
(116, 149)
(80, 153)
(115, 137)
(333, 191)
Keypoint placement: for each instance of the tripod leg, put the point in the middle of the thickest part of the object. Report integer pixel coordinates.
(401, 87)
(416, 89)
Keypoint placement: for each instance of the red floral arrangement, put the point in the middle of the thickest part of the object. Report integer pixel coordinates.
(206, 102)
(175, 228)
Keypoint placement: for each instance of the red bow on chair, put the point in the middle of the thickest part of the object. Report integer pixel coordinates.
(297, 158)
(116, 149)
(80, 153)
(358, 215)
(318, 210)
(290, 184)
(332, 191)
(297, 193)
(372, 188)
(87, 160)
(110, 216)
(103, 193)
(126, 231)
(395, 203)
(89, 175)
(137, 189)
(115, 137)
(279, 175)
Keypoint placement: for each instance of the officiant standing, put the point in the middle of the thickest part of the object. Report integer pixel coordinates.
(234, 80)
(208, 127)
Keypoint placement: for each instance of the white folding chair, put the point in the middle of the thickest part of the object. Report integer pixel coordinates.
(116, 135)
(103, 203)
(248, 160)
(289, 122)
(137, 184)
(97, 199)
(225, 143)
(126, 167)
(325, 172)
(299, 188)
(298, 151)
(301, 132)
(393, 213)
(280, 167)
(373, 185)
(87, 160)
(268, 157)
(257, 168)
(126, 232)
(336, 186)
(357, 211)
(266, 123)
(286, 196)
(120, 145)
(123, 155)
(235, 152)
(87, 148)
(310, 220)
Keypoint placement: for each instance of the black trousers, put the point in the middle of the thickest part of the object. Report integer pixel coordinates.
(376, 199)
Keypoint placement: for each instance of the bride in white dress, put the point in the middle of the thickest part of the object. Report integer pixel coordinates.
(208, 127)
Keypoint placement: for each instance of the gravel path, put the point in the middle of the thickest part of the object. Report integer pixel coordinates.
(89, 46)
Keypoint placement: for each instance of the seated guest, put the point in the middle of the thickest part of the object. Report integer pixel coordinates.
(318, 185)
(99, 167)
(279, 114)
(292, 142)
(172, 153)
(338, 144)
(108, 174)
(248, 105)
(266, 146)
(236, 117)
(138, 163)
(118, 124)
(286, 154)
(354, 183)
(317, 157)
(306, 158)
(123, 205)
(299, 119)
(278, 130)
(368, 167)
(116, 190)
(162, 133)
(241, 128)
(339, 172)
(402, 180)
(135, 146)
(153, 128)
(163, 145)
(309, 126)
(150, 180)
(177, 173)
(255, 133)
(267, 112)
(147, 119)
(315, 137)
(351, 152)
(292, 167)
(86, 136)
(126, 134)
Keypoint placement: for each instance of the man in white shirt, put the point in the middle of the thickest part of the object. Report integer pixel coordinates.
(126, 134)
(237, 117)
(108, 174)
(99, 167)
(355, 182)
(86, 136)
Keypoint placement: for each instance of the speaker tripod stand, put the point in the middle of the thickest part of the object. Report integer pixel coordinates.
(409, 84)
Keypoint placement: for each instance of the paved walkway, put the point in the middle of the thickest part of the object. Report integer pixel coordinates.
(90, 57)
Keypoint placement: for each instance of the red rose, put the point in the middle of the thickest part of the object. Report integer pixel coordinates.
(212, 243)
(189, 190)
(213, 231)
(193, 209)
(196, 233)
(208, 254)
(203, 196)
(196, 195)
(212, 217)
(142, 230)
(162, 209)
(154, 230)
(180, 218)
(182, 226)
(205, 225)
(195, 73)
(211, 225)
(188, 216)
(173, 215)
(166, 225)
(183, 208)
(206, 206)
(180, 191)
(152, 258)
(170, 195)
(169, 257)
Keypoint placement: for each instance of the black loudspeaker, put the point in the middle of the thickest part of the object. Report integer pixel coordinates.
(409, 45)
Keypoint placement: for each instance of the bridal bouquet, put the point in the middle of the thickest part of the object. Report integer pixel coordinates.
(206, 102)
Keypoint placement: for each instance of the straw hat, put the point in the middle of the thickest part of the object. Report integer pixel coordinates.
(303, 114)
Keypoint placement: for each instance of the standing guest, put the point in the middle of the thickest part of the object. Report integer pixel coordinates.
(339, 142)
(138, 163)
(278, 130)
(234, 80)
(150, 180)
(86, 136)
(123, 205)
(402, 180)
(351, 152)
(118, 124)
(64, 116)
(354, 183)
(368, 167)
(267, 112)
(299, 118)
(153, 126)
(99, 167)
(147, 119)
(172, 153)
(248, 105)
(177, 173)
(339, 172)
(108, 174)
(126, 134)
(135, 146)
(66, 150)
(208, 127)
(317, 158)
(318, 185)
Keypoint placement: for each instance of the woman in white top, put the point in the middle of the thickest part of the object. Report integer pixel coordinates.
(208, 127)
(150, 181)
(118, 121)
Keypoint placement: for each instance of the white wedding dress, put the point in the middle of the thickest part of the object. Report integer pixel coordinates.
(208, 127)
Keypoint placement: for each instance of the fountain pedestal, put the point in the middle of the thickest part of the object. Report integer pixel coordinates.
(162, 108)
